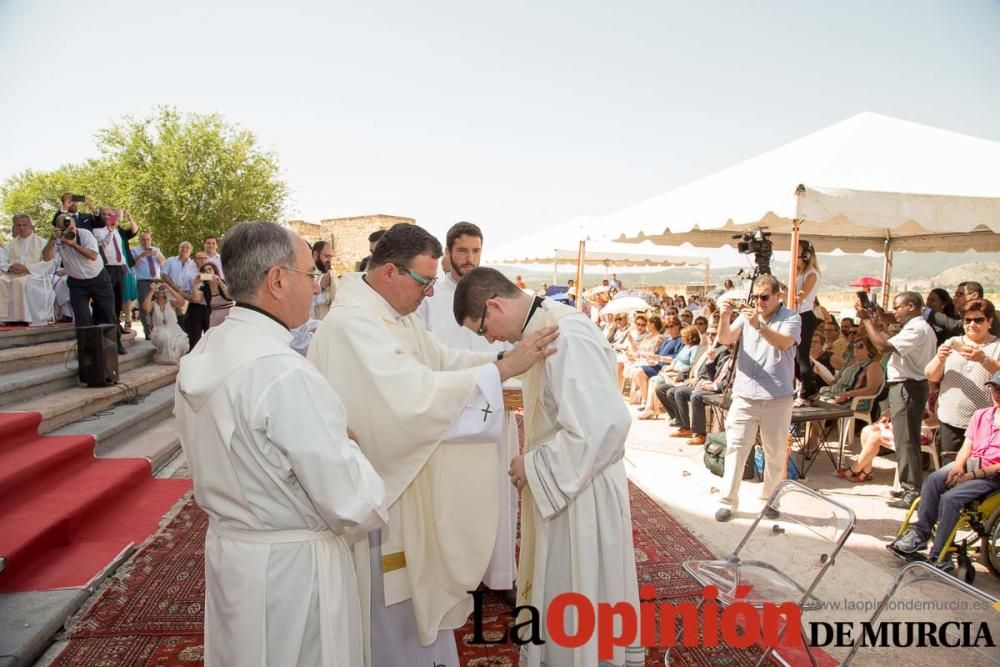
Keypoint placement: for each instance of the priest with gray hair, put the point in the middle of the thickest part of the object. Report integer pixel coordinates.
(282, 479)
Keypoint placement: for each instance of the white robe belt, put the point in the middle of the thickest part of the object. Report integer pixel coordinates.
(270, 536)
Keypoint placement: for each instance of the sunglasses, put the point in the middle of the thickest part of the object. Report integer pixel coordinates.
(762, 297)
(860, 346)
(977, 320)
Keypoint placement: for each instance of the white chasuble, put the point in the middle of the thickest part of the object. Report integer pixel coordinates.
(437, 314)
(286, 492)
(425, 415)
(576, 525)
(26, 297)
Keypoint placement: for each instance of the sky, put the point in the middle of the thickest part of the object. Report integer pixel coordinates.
(513, 115)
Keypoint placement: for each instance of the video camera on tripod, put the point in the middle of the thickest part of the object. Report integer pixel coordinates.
(758, 243)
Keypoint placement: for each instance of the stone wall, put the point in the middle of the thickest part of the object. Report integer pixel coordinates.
(349, 235)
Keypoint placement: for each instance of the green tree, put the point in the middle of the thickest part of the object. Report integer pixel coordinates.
(182, 176)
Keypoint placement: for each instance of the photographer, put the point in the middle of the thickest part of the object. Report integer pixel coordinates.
(806, 283)
(199, 312)
(161, 305)
(113, 243)
(148, 262)
(909, 353)
(88, 281)
(763, 388)
(70, 206)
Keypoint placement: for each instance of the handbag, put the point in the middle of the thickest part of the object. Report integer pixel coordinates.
(715, 456)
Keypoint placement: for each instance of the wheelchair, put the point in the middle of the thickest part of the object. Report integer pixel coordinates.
(978, 522)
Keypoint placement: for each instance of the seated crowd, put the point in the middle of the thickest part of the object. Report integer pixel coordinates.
(925, 374)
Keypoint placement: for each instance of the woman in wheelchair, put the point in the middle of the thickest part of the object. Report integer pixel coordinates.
(973, 475)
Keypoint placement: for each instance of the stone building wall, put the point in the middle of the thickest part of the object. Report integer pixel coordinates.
(349, 235)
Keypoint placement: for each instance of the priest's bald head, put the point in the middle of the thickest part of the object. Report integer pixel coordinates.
(270, 267)
(489, 304)
(403, 267)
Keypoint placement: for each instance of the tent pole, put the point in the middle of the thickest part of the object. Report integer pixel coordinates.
(792, 296)
(579, 275)
(555, 272)
(707, 278)
(886, 273)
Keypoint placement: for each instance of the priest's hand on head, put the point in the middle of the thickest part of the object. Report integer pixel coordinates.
(532, 349)
(516, 472)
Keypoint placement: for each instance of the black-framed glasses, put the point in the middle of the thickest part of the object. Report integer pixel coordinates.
(426, 284)
(481, 331)
(860, 346)
(762, 297)
(977, 320)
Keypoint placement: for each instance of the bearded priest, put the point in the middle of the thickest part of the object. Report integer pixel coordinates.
(428, 418)
(576, 527)
(464, 248)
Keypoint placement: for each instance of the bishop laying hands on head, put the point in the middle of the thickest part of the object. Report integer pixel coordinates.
(428, 418)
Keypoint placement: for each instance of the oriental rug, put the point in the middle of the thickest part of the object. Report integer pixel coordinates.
(152, 611)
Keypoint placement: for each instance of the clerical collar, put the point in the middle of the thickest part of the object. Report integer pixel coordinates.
(535, 305)
(392, 311)
(250, 306)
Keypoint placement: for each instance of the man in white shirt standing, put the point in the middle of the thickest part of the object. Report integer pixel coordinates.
(463, 248)
(211, 248)
(276, 469)
(89, 285)
(113, 243)
(25, 280)
(180, 270)
(909, 353)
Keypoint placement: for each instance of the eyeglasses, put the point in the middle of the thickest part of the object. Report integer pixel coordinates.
(860, 346)
(316, 275)
(977, 320)
(481, 331)
(762, 297)
(426, 284)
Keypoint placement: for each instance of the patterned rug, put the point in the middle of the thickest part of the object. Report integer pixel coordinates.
(152, 614)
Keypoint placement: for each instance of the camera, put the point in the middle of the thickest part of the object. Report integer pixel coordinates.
(758, 243)
(61, 224)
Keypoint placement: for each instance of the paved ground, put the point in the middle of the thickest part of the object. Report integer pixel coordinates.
(672, 472)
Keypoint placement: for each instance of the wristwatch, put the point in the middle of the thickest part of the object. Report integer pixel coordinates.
(499, 356)
(760, 325)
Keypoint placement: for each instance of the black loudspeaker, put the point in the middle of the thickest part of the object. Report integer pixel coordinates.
(97, 355)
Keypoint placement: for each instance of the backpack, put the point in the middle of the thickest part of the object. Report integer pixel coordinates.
(792, 471)
(715, 456)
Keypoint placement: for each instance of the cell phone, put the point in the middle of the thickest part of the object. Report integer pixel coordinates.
(863, 298)
(78, 198)
(205, 276)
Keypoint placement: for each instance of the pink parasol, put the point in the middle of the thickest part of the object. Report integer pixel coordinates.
(866, 281)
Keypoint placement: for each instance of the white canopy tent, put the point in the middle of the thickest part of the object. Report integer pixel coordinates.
(561, 245)
(870, 182)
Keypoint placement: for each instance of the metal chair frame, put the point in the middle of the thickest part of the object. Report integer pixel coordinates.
(806, 600)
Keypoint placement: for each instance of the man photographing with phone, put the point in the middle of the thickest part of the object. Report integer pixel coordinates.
(70, 205)
(909, 353)
(762, 390)
(87, 279)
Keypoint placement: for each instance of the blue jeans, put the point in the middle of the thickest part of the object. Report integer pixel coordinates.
(940, 504)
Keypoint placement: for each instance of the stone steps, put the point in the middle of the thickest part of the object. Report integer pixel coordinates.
(23, 385)
(23, 336)
(14, 359)
(72, 404)
(141, 430)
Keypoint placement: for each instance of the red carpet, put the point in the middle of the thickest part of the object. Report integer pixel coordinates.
(66, 514)
(151, 613)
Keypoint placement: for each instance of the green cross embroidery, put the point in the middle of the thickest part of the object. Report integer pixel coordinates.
(486, 412)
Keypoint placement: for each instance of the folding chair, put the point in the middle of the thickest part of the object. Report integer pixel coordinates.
(958, 602)
(805, 515)
(862, 407)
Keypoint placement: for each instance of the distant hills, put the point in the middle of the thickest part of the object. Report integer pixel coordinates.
(919, 271)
